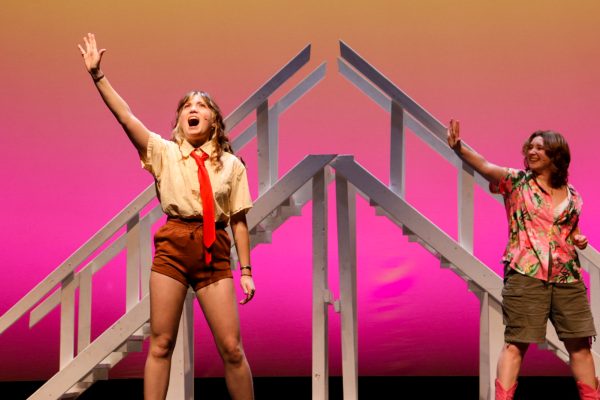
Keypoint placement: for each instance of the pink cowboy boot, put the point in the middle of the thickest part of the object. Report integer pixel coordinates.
(587, 392)
(503, 394)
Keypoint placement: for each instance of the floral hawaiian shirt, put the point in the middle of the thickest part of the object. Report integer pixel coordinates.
(539, 245)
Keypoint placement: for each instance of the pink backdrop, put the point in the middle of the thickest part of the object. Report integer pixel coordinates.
(503, 68)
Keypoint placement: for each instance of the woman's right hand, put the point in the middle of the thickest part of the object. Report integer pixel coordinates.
(91, 55)
(453, 134)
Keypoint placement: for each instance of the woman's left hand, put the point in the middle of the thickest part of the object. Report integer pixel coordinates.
(579, 240)
(247, 284)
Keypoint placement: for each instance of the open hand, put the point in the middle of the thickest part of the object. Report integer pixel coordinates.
(453, 134)
(91, 55)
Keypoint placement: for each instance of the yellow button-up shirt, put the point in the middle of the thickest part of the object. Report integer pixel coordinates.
(176, 176)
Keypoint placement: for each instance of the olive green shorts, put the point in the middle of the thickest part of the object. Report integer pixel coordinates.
(527, 303)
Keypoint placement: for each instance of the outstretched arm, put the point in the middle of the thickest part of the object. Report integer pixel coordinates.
(491, 172)
(135, 129)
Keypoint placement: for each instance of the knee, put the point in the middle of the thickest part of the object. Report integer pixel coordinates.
(581, 353)
(514, 352)
(232, 352)
(161, 346)
(577, 345)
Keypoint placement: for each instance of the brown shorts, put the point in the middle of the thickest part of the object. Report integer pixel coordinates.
(527, 303)
(179, 253)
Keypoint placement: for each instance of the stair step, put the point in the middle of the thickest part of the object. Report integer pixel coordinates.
(71, 394)
(76, 390)
(110, 361)
(288, 202)
(279, 216)
(292, 210)
(263, 237)
(142, 333)
(99, 373)
(446, 264)
(260, 235)
(131, 345)
(382, 213)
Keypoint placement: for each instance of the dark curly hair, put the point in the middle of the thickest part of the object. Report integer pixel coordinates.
(557, 150)
(222, 141)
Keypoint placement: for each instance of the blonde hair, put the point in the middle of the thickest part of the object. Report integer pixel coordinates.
(221, 140)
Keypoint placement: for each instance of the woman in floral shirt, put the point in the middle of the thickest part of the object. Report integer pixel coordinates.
(542, 277)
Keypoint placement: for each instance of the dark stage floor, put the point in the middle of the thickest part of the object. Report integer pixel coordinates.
(299, 388)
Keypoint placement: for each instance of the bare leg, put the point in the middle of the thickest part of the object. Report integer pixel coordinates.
(219, 305)
(509, 363)
(581, 360)
(166, 303)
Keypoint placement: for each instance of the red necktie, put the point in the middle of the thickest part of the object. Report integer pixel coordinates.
(208, 209)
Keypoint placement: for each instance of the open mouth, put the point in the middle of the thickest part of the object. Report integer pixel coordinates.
(193, 121)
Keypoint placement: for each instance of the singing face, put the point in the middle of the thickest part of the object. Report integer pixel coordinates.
(196, 120)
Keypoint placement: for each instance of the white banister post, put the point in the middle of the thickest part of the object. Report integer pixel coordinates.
(67, 320)
(145, 238)
(491, 338)
(397, 150)
(267, 149)
(133, 262)
(346, 228)
(594, 295)
(181, 381)
(320, 290)
(466, 183)
(84, 322)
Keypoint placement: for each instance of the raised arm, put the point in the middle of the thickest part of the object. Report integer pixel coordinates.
(135, 129)
(491, 172)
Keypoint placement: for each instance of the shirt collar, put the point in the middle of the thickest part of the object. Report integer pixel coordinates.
(186, 148)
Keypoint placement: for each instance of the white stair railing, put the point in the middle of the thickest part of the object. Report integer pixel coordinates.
(406, 113)
(280, 199)
(59, 287)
